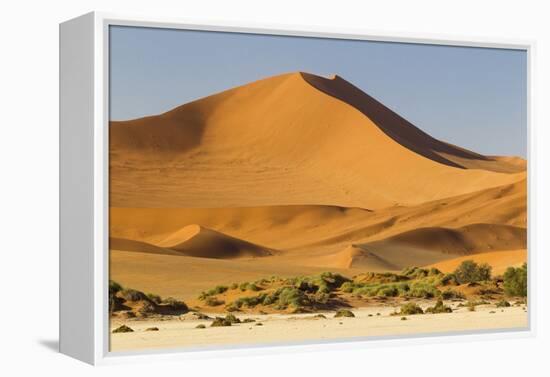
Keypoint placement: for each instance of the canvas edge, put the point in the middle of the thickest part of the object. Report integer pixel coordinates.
(76, 190)
(103, 20)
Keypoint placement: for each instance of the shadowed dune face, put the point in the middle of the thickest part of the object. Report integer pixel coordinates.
(195, 241)
(393, 125)
(299, 174)
(466, 240)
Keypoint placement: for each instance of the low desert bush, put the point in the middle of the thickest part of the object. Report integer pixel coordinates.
(439, 307)
(410, 308)
(451, 294)
(379, 277)
(471, 272)
(232, 318)
(175, 304)
(515, 281)
(249, 287)
(503, 304)
(449, 279)
(213, 301)
(212, 292)
(420, 273)
(228, 320)
(133, 295)
(423, 290)
(146, 307)
(114, 287)
(155, 298)
(344, 313)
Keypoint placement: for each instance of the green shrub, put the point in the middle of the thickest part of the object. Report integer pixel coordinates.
(152, 329)
(470, 272)
(449, 279)
(249, 287)
(323, 283)
(417, 272)
(201, 326)
(423, 290)
(329, 281)
(175, 304)
(288, 296)
(439, 308)
(232, 318)
(503, 304)
(133, 295)
(146, 307)
(515, 281)
(155, 298)
(450, 294)
(388, 292)
(114, 287)
(213, 301)
(410, 308)
(379, 277)
(344, 313)
(347, 287)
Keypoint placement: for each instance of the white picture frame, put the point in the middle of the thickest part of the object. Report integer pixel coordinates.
(84, 209)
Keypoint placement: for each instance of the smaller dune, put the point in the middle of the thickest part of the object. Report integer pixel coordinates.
(197, 241)
(473, 238)
(123, 244)
(354, 256)
(426, 246)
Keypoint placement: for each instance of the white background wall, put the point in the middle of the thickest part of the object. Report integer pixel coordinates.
(29, 183)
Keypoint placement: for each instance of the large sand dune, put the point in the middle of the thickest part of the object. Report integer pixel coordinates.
(309, 174)
(329, 146)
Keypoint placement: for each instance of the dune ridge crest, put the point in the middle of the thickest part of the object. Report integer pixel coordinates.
(297, 128)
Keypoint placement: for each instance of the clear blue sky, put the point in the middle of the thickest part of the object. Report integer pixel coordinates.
(472, 97)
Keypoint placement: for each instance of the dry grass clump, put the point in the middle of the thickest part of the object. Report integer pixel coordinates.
(130, 302)
(122, 329)
(503, 304)
(439, 307)
(344, 313)
(410, 308)
(213, 301)
(228, 320)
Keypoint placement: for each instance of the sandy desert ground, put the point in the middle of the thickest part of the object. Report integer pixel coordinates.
(281, 328)
(295, 175)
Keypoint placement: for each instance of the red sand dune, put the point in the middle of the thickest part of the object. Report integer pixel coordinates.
(315, 170)
(241, 147)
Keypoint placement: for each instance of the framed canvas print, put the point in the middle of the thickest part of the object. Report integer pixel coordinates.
(225, 188)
